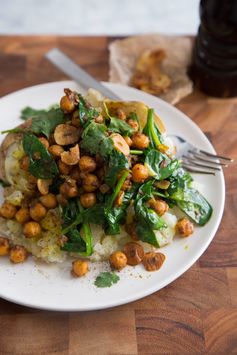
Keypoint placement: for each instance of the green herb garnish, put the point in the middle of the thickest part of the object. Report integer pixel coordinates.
(106, 279)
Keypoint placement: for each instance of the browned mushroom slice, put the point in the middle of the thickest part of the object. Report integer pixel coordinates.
(153, 261)
(65, 134)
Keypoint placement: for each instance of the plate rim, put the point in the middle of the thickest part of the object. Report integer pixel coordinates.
(174, 275)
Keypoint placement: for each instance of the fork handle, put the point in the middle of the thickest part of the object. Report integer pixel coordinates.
(75, 72)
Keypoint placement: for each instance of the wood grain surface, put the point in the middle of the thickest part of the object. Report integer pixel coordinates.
(196, 314)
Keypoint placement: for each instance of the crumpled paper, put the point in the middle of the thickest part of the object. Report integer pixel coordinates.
(125, 53)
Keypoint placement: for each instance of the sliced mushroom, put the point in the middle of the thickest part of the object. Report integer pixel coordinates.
(43, 185)
(153, 261)
(72, 157)
(120, 144)
(134, 253)
(65, 134)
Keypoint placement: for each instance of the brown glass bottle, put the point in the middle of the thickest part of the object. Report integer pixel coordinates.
(214, 62)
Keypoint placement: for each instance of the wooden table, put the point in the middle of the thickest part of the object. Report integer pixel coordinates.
(197, 314)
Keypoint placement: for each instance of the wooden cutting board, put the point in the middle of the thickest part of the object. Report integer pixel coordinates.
(196, 314)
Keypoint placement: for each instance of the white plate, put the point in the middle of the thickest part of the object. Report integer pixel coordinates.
(51, 286)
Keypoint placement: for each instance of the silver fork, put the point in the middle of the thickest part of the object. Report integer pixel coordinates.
(198, 160)
(195, 160)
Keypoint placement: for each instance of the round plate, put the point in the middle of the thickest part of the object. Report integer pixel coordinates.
(51, 287)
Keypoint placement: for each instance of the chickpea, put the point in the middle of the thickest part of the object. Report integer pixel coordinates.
(56, 150)
(121, 114)
(79, 268)
(104, 188)
(134, 253)
(118, 260)
(44, 141)
(139, 173)
(88, 199)
(184, 227)
(128, 141)
(37, 211)
(4, 246)
(18, 254)
(66, 104)
(140, 141)
(134, 124)
(159, 206)
(61, 200)
(99, 119)
(75, 173)
(119, 199)
(32, 230)
(23, 215)
(87, 164)
(153, 261)
(32, 179)
(68, 189)
(49, 200)
(7, 210)
(25, 163)
(90, 183)
(64, 168)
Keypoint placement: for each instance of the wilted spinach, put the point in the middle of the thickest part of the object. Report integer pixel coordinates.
(45, 123)
(42, 164)
(117, 163)
(159, 165)
(86, 112)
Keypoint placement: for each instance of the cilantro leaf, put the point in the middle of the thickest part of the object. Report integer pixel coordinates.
(45, 122)
(86, 112)
(44, 166)
(95, 141)
(106, 279)
(119, 126)
(29, 112)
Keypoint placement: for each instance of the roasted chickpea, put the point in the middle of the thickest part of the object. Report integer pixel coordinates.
(75, 173)
(88, 199)
(121, 114)
(32, 230)
(118, 260)
(37, 211)
(134, 124)
(140, 141)
(79, 268)
(139, 173)
(7, 210)
(66, 104)
(61, 200)
(44, 141)
(90, 183)
(104, 188)
(18, 254)
(64, 168)
(49, 200)
(153, 261)
(128, 141)
(32, 179)
(99, 119)
(68, 189)
(23, 215)
(4, 246)
(87, 164)
(25, 163)
(134, 253)
(56, 150)
(184, 227)
(159, 206)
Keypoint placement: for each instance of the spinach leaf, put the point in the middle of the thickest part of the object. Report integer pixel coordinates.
(119, 126)
(151, 130)
(117, 162)
(46, 122)
(159, 165)
(73, 224)
(106, 279)
(42, 164)
(95, 141)
(194, 205)
(86, 112)
(179, 181)
(29, 112)
(147, 219)
(114, 218)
